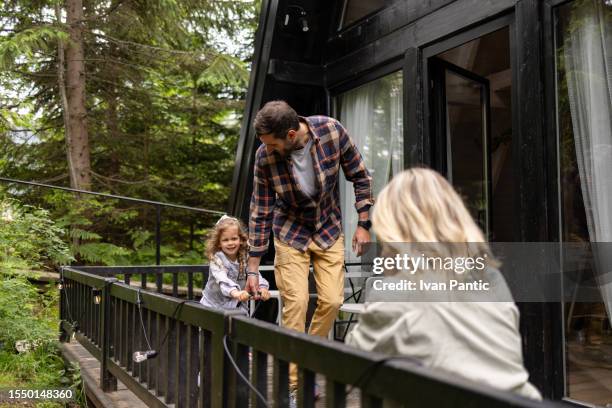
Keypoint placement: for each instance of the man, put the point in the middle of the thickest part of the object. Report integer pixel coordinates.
(295, 191)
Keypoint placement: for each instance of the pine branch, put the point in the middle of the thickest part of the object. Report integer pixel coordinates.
(100, 16)
(146, 46)
(99, 176)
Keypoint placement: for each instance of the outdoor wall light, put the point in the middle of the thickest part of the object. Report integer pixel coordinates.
(297, 13)
(140, 356)
(60, 284)
(304, 24)
(97, 295)
(75, 328)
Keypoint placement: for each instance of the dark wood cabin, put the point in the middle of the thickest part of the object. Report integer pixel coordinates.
(483, 92)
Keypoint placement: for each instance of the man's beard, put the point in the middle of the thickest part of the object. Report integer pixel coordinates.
(288, 149)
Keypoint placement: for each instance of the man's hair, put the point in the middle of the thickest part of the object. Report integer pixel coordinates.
(276, 118)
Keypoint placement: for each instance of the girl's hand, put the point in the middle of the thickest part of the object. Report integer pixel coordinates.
(264, 294)
(241, 295)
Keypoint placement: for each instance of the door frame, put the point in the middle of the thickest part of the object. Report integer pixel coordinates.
(442, 157)
(431, 51)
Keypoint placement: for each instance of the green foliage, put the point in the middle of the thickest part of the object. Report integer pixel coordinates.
(28, 42)
(42, 367)
(159, 76)
(19, 313)
(171, 255)
(225, 70)
(165, 88)
(29, 239)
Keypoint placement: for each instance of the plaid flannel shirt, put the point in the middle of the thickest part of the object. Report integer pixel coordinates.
(295, 218)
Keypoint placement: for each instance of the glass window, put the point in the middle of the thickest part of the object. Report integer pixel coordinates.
(373, 116)
(583, 42)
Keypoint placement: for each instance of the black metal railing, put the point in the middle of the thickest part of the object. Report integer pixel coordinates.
(182, 278)
(158, 206)
(113, 320)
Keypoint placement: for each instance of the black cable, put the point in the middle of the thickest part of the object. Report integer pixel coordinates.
(139, 301)
(369, 371)
(231, 359)
(63, 283)
(72, 321)
(174, 314)
(257, 304)
(144, 330)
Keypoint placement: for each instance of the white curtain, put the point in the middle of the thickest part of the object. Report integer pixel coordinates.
(587, 50)
(373, 116)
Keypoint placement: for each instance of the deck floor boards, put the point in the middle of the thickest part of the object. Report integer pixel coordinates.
(124, 398)
(90, 372)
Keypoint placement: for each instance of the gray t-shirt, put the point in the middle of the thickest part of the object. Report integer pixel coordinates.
(303, 169)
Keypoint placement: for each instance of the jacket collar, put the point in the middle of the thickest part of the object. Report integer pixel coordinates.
(314, 135)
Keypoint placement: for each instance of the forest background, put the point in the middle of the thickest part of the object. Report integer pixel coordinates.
(135, 98)
(147, 104)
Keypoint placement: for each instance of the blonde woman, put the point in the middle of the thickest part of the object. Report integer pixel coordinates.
(479, 341)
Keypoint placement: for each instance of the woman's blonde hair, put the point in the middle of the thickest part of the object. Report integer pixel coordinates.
(420, 206)
(213, 244)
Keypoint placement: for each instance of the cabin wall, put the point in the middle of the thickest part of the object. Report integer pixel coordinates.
(307, 69)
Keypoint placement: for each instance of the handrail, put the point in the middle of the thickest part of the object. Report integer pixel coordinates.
(157, 204)
(189, 341)
(118, 197)
(139, 269)
(146, 271)
(398, 380)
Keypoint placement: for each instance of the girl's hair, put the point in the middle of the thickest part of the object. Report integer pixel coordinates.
(419, 206)
(213, 244)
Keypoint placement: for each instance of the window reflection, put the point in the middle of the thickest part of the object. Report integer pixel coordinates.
(584, 92)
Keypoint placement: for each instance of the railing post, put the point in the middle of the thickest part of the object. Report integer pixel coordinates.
(108, 382)
(63, 335)
(221, 385)
(158, 234)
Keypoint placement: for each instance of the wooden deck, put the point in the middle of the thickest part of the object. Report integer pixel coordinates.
(590, 373)
(124, 398)
(90, 373)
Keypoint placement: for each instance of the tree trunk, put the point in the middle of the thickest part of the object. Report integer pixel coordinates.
(61, 83)
(78, 142)
(114, 133)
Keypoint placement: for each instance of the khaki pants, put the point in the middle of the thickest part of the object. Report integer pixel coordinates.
(291, 268)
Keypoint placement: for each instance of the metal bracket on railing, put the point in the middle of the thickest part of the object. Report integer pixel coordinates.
(228, 321)
(138, 299)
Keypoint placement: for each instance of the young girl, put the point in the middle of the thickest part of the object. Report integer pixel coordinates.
(227, 250)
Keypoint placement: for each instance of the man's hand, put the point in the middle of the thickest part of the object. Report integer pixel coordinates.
(252, 283)
(361, 237)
